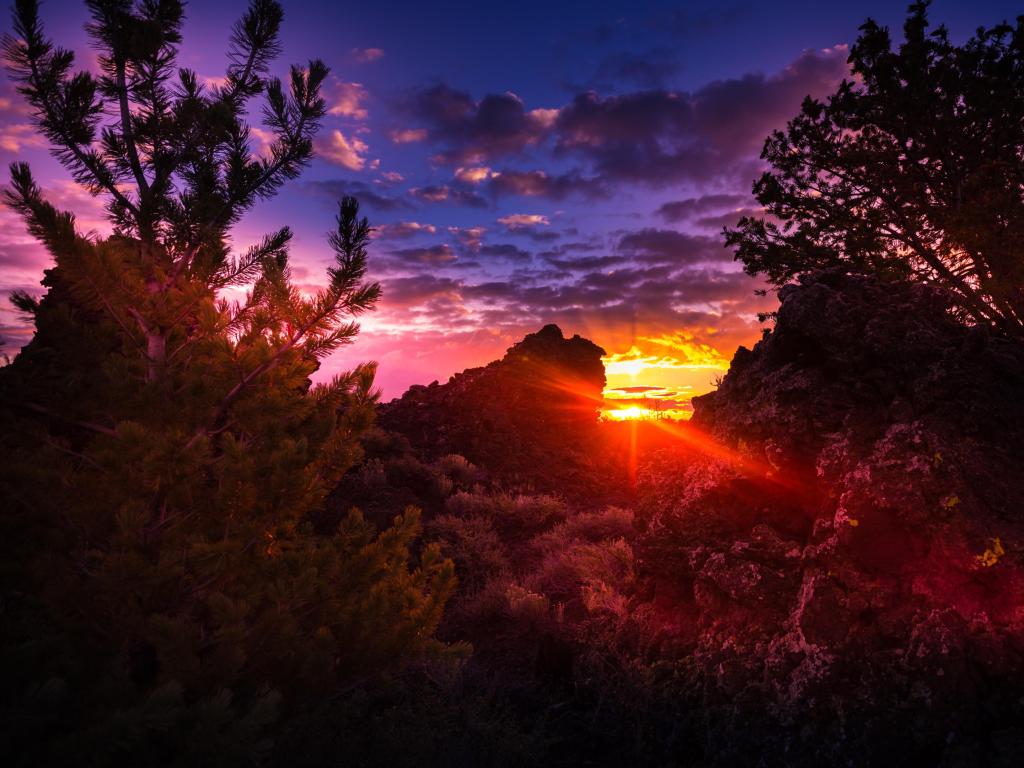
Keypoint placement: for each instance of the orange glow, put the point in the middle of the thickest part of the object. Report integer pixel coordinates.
(642, 384)
(690, 356)
(627, 414)
(617, 412)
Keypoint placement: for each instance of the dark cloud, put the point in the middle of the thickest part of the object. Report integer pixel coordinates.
(494, 291)
(689, 23)
(582, 263)
(541, 184)
(713, 286)
(403, 230)
(475, 131)
(658, 137)
(541, 236)
(651, 69)
(728, 219)
(655, 246)
(368, 195)
(737, 114)
(444, 194)
(505, 251)
(519, 226)
(412, 291)
(468, 237)
(683, 210)
(563, 256)
(654, 136)
(434, 255)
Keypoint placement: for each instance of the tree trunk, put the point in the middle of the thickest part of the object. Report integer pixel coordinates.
(156, 352)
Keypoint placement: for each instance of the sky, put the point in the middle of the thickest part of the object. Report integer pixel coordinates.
(524, 163)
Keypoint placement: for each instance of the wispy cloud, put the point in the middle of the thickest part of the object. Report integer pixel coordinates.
(346, 152)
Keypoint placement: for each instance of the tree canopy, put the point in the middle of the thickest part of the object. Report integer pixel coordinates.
(165, 448)
(912, 168)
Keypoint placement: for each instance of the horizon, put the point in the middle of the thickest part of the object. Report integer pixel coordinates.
(582, 181)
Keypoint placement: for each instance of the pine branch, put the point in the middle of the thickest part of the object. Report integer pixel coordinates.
(127, 133)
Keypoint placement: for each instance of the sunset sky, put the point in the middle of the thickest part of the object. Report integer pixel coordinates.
(524, 163)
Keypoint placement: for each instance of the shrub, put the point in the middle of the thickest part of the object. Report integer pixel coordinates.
(474, 546)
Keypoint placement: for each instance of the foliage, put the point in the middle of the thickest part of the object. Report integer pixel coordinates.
(911, 170)
(165, 592)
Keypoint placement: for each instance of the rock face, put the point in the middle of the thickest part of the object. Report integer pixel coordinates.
(854, 554)
(527, 419)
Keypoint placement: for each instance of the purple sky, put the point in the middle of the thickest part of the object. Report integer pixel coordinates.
(525, 163)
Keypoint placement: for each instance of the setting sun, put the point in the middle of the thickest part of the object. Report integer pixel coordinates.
(633, 412)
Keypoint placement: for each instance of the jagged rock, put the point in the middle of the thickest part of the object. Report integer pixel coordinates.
(529, 419)
(862, 555)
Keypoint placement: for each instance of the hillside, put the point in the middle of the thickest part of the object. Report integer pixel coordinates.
(528, 419)
(824, 566)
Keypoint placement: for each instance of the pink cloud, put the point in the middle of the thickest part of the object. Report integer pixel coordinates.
(523, 220)
(349, 153)
(347, 100)
(367, 55)
(408, 135)
(476, 175)
(16, 137)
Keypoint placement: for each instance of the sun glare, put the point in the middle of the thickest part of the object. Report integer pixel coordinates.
(634, 412)
(626, 367)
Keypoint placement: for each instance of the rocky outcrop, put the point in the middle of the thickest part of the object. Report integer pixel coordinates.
(854, 551)
(528, 419)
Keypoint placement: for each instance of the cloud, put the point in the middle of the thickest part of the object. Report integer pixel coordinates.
(367, 55)
(349, 153)
(683, 210)
(16, 137)
(431, 194)
(531, 225)
(400, 292)
(728, 219)
(346, 100)
(476, 175)
(538, 183)
(638, 390)
(403, 230)
(581, 263)
(440, 193)
(468, 237)
(12, 103)
(539, 235)
(407, 135)
(653, 246)
(657, 137)
(506, 251)
(368, 195)
(523, 220)
(473, 132)
(654, 137)
(17, 132)
(689, 23)
(433, 255)
(634, 361)
(650, 69)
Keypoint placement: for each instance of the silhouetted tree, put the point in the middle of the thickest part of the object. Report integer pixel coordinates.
(163, 445)
(912, 168)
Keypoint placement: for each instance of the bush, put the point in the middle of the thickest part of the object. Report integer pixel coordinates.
(474, 546)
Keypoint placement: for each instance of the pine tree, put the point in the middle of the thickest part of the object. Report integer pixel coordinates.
(164, 591)
(911, 170)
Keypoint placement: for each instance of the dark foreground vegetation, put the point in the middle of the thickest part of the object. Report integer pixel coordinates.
(206, 560)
